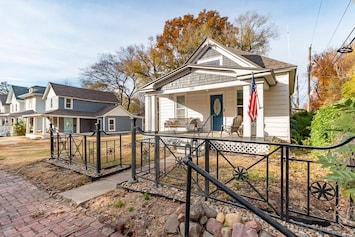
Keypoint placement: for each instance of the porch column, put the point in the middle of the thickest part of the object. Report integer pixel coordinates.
(154, 111)
(260, 125)
(78, 125)
(28, 128)
(35, 127)
(148, 113)
(57, 124)
(246, 119)
(44, 126)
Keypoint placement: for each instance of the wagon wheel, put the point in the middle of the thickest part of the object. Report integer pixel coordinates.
(322, 191)
(240, 173)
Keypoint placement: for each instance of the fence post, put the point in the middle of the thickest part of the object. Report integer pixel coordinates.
(85, 153)
(134, 153)
(207, 167)
(51, 140)
(157, 160)
(98, 147)
(282, 213)
(70, 148)
(287, 191)
(58, 142)
(188, 198)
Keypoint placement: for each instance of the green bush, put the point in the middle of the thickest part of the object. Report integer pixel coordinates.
(20, 128)
(336, 162)
(333, 123)
(301, 126)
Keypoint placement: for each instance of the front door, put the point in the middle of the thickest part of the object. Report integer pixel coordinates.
(216, 108)
(68, 125)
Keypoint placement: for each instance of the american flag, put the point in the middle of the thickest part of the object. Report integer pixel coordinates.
(252, 108)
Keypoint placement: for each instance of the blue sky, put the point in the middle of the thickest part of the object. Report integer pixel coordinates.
(51, 40)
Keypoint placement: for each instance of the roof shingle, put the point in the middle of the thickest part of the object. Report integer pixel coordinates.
(82, 93)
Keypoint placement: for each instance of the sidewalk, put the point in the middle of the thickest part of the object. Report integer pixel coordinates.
(26, 211)
(89, 191)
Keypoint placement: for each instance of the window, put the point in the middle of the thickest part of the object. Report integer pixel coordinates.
(68, 103)
(180, 106)
(239, 102)
(51, 103)
(111, 124)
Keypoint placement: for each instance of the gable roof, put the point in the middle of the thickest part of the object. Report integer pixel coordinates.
(246, 61)
(16, 91)
(81, 93)
(258, 61)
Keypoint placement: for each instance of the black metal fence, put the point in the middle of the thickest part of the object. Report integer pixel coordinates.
(275, 177)
(91, 152)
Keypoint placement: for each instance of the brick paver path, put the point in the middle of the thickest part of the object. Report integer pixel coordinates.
(26, 211)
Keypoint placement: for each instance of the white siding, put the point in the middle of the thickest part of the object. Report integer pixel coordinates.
(277, 109)
(166, 110)
(196, 104)
(55, 100)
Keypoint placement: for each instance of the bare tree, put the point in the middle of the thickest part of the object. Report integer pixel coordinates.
(254, 32)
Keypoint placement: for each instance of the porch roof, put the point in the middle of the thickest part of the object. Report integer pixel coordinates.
(19, 114)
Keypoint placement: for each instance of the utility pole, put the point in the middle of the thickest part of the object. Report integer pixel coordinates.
(309, 78)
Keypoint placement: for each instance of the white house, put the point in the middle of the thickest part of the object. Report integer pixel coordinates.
(213, 85)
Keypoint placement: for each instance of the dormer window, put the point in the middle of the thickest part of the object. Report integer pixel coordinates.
(68, 103)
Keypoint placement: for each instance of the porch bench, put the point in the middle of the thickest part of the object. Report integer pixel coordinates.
(183, 124)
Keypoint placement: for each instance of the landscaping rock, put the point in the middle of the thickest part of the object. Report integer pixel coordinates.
(226, 232)
(232, 218)
(210, 212)
(172, 224)
(203, 220)
(214, 227)
(196, 212)
(240, 230)
(254, 225)
(220, 217)
(195, 229)
(207, 234)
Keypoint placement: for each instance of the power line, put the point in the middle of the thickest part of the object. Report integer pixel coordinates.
(336, 28)
(316, 24)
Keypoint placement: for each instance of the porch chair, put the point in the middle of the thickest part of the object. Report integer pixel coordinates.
(237, 126)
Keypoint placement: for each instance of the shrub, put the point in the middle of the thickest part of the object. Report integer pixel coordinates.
(301, 126)
(20, 128)
(332, 123)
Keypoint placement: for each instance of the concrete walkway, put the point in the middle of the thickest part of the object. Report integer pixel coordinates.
(92, 190)
(97, 188)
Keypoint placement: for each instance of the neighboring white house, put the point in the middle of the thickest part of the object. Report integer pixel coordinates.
(4, 112)
(77, 110)
(213, 85)
(69, 109)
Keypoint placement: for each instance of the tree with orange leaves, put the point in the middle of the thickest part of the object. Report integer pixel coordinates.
(330, 71)
(182, 35)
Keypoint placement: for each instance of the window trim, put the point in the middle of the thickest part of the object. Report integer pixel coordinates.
(65, 103)
(239, 106)
(109, 124)
(184, 106)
